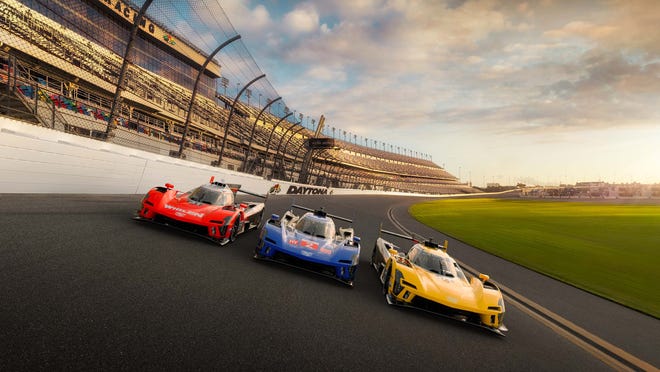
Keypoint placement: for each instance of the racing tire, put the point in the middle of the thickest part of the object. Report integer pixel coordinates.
(373, 261)
(233, 232)
(351, 275)
(257, 255)
(258, 221)
(386, 282)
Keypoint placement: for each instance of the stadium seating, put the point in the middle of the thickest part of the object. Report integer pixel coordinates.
(153, 111)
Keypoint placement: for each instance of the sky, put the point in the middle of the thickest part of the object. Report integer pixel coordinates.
(538, 92)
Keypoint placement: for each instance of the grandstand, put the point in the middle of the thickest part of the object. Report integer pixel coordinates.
(60, 66)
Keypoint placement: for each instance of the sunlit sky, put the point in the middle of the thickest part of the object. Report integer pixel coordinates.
(539, 92)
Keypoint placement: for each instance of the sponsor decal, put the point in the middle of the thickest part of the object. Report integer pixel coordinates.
(309, 244)
(306, 190)
(181, 212)
(325, 251)
(304, 243)
(275, 189)
(169, 39)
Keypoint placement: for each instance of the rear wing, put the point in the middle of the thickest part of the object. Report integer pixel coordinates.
(427, 242)
(321, 212)
(235, 188)
(251, 193)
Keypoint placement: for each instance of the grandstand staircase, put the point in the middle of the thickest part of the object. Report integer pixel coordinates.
(13, 106)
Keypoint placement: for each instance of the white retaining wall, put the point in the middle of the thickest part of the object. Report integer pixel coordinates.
(35, 159)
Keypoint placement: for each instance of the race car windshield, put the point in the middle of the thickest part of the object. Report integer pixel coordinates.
(312, 226)
(206, 196)
(432, 263)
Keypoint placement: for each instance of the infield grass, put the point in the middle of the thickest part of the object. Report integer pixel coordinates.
(612, 250)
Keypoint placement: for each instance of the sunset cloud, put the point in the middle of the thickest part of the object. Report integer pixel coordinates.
(506, 70)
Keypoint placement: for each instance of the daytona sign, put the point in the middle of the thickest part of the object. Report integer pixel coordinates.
(306, 190)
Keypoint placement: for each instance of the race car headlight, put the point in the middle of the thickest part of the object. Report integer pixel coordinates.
(398, 276)
(500, 303)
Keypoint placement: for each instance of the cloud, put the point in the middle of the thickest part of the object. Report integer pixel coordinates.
(245, 19)
(325, 73)
(638, 21)
(582, 29)
(625, 25)
(495, 66)
(301, 20)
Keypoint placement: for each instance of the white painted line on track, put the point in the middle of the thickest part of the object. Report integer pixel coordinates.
(608, 353)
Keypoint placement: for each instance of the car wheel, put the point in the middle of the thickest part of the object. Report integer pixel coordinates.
(233, 232)
(386, 282)
(373, 261)
(351, 273)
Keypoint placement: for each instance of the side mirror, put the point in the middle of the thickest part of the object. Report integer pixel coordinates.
(484, 277)
(243, 205)
(393, 251)
(274, 217)
(169, 185)
(356, 239)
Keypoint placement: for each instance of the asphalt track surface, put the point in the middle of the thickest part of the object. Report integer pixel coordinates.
(85, 287)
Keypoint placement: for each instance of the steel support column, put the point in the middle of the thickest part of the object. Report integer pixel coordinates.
(231, 113)
(194, 91)
(270, 137)
(295, 158)
(254, 127)
(120, 83)
(279, 145)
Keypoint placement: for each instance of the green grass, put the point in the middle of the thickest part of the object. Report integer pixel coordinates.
(612, 250)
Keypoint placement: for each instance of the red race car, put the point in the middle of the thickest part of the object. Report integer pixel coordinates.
(208, 210)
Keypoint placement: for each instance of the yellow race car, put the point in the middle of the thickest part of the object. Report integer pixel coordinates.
(429, 279)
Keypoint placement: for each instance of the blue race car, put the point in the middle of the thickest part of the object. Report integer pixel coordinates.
(311, 242)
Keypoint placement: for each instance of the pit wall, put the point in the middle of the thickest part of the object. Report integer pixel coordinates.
(35, 159)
